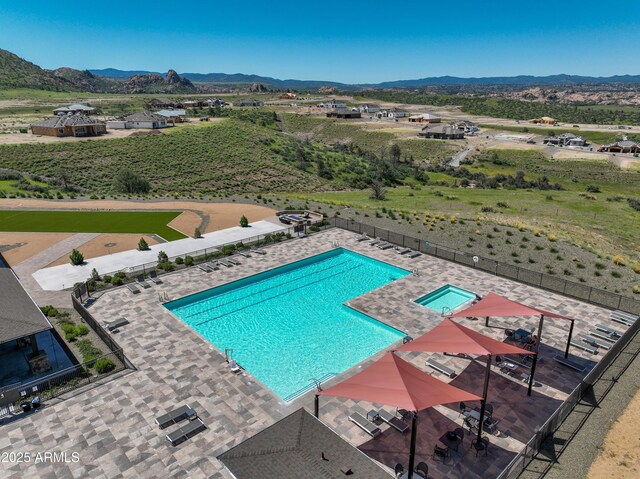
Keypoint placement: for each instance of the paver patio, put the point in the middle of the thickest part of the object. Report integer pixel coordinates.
(112, 426)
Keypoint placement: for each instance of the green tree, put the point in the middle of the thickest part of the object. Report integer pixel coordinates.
(378, 191)
(76, 257)
(162, 257)
(143, 245)
(94, 275)
(127, 181)
(244, 222)
(197, 233)
(395, 153)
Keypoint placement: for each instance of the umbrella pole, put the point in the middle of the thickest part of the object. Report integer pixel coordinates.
(535, 356)
(483, 403)
(486, 321)
(412, 449)
(316, 408)
(566, 352)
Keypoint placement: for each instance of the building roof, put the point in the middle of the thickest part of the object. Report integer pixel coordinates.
(144, 116)
(426, 116)
(292, 448)
(442, 129)
(19, 315)
(72, 108)
(60, 121)
(169, 113)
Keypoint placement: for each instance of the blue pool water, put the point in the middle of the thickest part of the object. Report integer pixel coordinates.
(288, 325)
(446, 298)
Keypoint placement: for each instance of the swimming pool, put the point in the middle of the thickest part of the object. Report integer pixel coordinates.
(445, 299)
(289, 324)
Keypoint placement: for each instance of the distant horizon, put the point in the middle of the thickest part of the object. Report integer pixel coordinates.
(353, 42)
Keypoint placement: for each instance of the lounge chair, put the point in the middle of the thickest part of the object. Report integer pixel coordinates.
(364, 237)
(364, 424)
(205, 267)
(225, 263)
(404, 250)
(375, 242)
(385, 246)
(175, 416)
(140, 280)
(132, 287)
(213, 265)
(258, 251)
(246, 254)
(185, 432)
(415, 254)
(112, 325)
(393, 421)
(234, 261)
(153, 276)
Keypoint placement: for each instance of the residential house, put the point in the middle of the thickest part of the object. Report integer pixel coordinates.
(368, 108)
(623, 146)
(442, 132)
(215, 103)
(344, 113)
(468, 127)
(565, 139)
(173, 116)
(84, 109)
(247, 102)
(69, 125)
(425, 118)
(334, 104)
(193, 103)
(141, 119)
(392, 114)
(163, 103)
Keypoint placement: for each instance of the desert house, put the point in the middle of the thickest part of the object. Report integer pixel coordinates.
(173, 116)
(247, 102)
(215, 103)
(84, 109)
(392, 114)
(441, 132)
(193, 103)
(69, 125)
(333, 104)
(467, 126)
(545, 120)
(425, 118)
(565, 139)
(163, 103)
(141, 119)
(623, 146)
(343, 113)
(368, 108)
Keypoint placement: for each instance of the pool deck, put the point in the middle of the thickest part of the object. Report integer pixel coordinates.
(112, 426)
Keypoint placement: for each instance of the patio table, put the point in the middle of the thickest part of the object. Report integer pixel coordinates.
(451, 442)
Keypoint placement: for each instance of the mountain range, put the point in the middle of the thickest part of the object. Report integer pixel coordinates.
(16, 72)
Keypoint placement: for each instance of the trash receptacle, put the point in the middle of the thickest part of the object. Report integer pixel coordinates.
(25, 406)
(35, 402)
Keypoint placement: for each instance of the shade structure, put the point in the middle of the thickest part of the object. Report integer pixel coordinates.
(395, 382)
(495, 305)
(451, 337)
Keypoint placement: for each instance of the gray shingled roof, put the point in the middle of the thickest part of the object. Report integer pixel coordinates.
(292, 449)
(144, 116)
(19, 315)
(61, 121)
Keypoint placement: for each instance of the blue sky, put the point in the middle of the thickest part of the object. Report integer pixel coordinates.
(348, 41)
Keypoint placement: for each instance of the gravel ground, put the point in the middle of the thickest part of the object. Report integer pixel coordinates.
(571, 450)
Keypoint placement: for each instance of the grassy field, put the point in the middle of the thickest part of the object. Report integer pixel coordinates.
(90, 222)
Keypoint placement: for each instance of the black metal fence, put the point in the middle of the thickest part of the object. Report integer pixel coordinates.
(599, 297)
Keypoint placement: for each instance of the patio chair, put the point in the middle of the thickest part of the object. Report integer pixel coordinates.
(393, 421)
(440, 453)
(140, 280)
(132, 287)
(471, 423)
(460, 433)
(463, 408)
(113, 325)
(481, 445)
(422, 470)
(153, 276)
(490, 425)
(364, 424)
(175, 416)
(398, 470)
(488, 410)
(233, 366)
(185, 432)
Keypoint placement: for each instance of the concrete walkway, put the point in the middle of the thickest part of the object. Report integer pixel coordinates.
(65, 276)
(26, 268)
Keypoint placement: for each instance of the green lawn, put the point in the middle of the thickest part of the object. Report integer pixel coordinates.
(90, 222)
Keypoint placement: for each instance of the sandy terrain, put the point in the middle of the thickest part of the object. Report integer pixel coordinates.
(15, 138)
(215, 216)
(28, 244)
(107, 244)
(620, 456)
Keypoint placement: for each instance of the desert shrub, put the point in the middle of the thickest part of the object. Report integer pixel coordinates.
(197, 233)
(599, 265)
(618, 260)
(94, 275)
(538, 247)
(76, 257)
(636, 289)
(107, 278)
(509, 233)
(552, 237)
(89, 351)
(188, 260)
(502, 204)
(127, 181)
(162, 257)
(487, 209)
(104, 365)
(244, 222)
(592, 189)
(636, 268)
(615, 274)
(553, 250)
(179, 260)
(49, 311)
(634, 203)
(116, 281)
(580, 266)
(314, 228)
(166, 266)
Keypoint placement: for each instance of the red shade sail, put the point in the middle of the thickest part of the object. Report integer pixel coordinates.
(495, 305)
(395, 382)
(451, 337)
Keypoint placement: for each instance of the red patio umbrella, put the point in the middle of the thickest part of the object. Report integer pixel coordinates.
(495, 305)
(451, 337)
(395, 382)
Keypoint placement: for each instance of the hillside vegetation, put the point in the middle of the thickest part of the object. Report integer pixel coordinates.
(18, 73)
(516, 109)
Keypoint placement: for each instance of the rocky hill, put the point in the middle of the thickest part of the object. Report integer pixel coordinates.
(86, 81)
(16, 72)
(155, 83)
